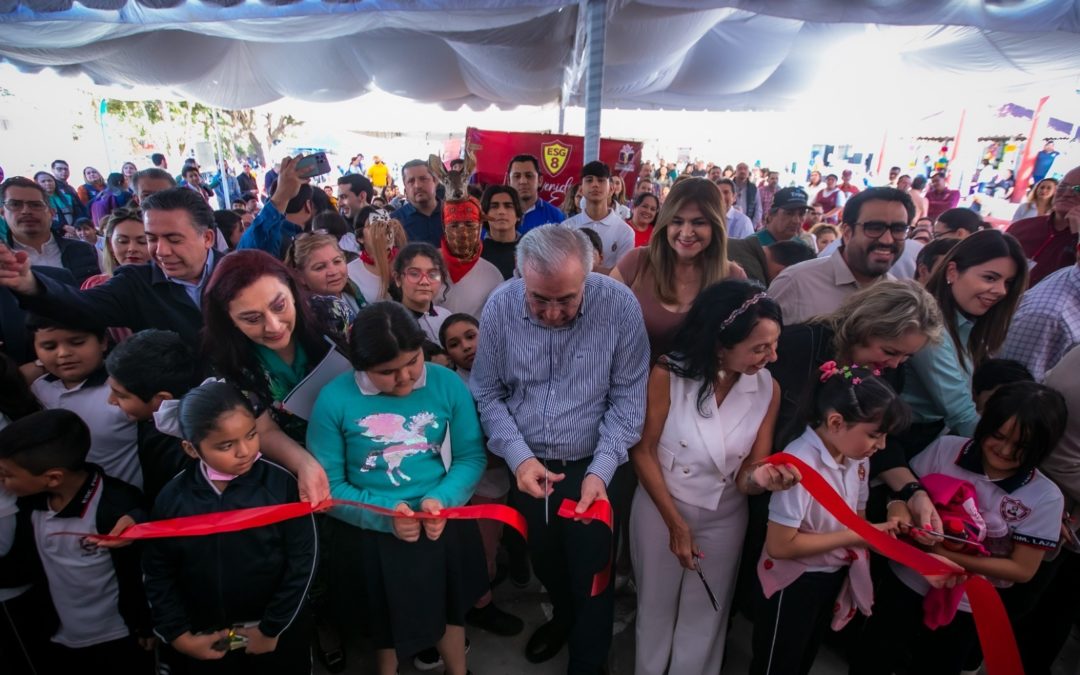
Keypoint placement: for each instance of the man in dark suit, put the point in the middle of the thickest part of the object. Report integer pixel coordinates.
(164, 293)
(28, 214)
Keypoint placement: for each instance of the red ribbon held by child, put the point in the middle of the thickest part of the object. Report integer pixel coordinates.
(244, 519)
(991, 622)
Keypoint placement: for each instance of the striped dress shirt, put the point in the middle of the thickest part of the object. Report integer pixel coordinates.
(565, 393)
(1047, 322)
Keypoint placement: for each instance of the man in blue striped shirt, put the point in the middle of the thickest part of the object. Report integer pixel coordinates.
(560, 380)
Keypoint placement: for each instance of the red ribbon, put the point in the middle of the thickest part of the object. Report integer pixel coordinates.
(245, 519)
(991, 622)
(598, 510)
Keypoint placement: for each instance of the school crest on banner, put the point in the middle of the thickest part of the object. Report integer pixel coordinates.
(555, 155)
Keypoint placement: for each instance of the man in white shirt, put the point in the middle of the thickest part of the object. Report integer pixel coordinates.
(739, 225)
(615, 233)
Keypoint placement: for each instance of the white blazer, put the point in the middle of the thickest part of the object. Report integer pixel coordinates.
(700, 456)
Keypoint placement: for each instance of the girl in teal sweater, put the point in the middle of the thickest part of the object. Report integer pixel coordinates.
(404, 435)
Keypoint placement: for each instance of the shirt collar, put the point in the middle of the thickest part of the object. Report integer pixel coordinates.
(842, 275)
(367, 388)
(76, 508)
(970, 458)
(96, 379)
(810, 436)
(49, 247)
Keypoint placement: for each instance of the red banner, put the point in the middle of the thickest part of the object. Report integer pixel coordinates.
(561, 158)
(991, 622)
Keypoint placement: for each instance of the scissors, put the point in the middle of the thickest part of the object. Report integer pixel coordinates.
(701, 575)
(943, 536)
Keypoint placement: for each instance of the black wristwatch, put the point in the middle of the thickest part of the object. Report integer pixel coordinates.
(908, 491)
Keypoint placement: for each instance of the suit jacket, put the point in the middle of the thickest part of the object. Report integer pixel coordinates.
(137, 297)
(13, 317)
(78, 257)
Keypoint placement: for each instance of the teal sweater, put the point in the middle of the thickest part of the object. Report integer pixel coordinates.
(384, 450)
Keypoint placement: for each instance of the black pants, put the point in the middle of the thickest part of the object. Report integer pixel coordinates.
(1044, 610)
(117, 656)
(26, 624)
(566, 555)
(789, 626)
(895, 634)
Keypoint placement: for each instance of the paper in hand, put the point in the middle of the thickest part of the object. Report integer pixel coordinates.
(301, 399)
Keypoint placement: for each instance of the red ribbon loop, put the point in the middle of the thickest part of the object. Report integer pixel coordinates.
(991, 621)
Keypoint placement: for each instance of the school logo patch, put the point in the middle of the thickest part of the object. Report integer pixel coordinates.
(555, 155)
(862, 472)
(1014, 510)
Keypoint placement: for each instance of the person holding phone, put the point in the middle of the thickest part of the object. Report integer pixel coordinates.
(289, 211)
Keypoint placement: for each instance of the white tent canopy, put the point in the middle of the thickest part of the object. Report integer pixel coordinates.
(708, 54)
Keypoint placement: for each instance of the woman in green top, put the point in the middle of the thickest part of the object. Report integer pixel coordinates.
(977, 285)
(403, 435)
(261, 334)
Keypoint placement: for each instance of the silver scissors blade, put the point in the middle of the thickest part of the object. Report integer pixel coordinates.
(701, 575)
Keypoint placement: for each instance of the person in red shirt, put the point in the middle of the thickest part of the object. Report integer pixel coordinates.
(643, 217)
(1050, 241)
(940, 197)
(845, 183)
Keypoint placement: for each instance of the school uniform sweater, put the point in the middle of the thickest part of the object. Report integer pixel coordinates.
(212, 582)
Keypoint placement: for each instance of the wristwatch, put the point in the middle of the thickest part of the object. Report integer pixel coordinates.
(908, 491)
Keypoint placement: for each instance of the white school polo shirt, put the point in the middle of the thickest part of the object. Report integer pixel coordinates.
(469, 294)
(82, 578)
(796, 508)
(113, 437)
(1030, 504)
(616, 235)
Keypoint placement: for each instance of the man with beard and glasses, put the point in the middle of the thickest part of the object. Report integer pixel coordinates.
(874, 230)
(472, 278)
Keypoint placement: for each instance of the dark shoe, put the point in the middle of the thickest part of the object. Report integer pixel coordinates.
(520, 574)
(546, 642)
(429, 659)
(494, 620)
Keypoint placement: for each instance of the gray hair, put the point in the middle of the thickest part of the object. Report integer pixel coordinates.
(545, 249)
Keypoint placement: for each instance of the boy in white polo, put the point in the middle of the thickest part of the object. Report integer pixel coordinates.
(97, 592)
(616, 233)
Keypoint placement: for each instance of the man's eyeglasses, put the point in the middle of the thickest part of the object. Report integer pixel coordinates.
(876, 228)
(33, 204)
(560, 303)
(415, 275)
(1069, 188)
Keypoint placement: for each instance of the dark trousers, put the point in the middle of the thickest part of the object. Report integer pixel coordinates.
(1044, 610)
(26, 624)
(566, 555)
(117, 656)
(895, 633)
(789, 626)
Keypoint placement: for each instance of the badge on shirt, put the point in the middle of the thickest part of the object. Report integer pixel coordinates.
(862, 472)
(1014, 510)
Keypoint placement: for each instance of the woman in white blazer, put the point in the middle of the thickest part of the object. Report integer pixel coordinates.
(711, 411)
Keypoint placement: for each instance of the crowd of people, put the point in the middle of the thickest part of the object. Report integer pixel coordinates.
(484, 346)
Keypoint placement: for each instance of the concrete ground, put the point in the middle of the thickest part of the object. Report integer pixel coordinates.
(492, 655)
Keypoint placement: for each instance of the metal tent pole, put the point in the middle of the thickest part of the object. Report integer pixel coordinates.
(594, 75)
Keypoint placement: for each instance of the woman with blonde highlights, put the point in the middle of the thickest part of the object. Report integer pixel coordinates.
(320, 266)
(687, 253)
(1039, 200)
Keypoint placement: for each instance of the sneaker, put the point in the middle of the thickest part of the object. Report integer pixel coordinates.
(494, 620)
(429, 658)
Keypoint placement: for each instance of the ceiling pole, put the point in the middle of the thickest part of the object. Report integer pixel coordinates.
(594, 75)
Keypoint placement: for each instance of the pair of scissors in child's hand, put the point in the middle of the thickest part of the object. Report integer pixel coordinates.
(701, 575)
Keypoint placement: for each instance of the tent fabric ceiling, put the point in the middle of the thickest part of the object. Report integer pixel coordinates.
(733, 54)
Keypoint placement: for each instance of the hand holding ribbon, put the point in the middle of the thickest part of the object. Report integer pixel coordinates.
(991, 622)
